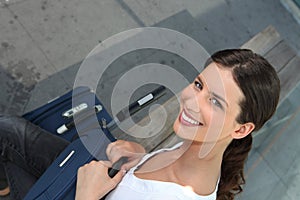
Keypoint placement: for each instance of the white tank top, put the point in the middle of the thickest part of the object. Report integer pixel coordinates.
(134, 188)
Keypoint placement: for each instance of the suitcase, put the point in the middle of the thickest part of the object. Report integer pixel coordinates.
(49, 116)
(59, 180)
(88, 140)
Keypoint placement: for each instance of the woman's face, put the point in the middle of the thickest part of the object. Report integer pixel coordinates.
(209, 107)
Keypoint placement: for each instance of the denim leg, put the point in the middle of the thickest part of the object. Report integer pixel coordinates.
(3, 179)
(20, 181)
(26, 146)
(2, 172)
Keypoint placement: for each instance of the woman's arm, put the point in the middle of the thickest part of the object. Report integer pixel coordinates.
(121, 148)
(93, 181)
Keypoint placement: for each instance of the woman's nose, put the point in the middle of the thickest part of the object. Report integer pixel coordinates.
(193, 105)
(195, 100)
(191, 100)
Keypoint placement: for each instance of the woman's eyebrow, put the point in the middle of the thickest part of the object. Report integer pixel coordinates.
(214, 94)
(200, 80)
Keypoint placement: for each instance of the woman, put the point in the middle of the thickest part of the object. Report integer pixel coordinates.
(236, 94)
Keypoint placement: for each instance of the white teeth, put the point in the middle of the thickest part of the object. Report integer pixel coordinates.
(186, 118)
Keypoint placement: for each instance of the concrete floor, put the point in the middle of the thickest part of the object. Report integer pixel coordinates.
(42, 44)
(273, 168)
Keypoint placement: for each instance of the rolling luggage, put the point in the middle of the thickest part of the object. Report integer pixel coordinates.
(59, 180)
(89, 138)
(53, 115)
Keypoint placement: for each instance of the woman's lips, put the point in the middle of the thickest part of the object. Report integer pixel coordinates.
(186, 119)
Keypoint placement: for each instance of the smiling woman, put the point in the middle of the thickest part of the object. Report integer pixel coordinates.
(212, 100)
(236, 94)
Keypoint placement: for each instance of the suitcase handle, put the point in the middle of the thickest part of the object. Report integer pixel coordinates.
(116, 167)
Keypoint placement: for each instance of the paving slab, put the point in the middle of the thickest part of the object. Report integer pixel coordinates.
(67, 31)
(153, 11)
(19, 54)
(22, 64)
(260, 180)
(14, 95)
(292, 179)
(280, 192)
(43, 92)
(256, 16)
(282, 144)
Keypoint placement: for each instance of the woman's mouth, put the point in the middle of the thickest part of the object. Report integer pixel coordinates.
(187, 120)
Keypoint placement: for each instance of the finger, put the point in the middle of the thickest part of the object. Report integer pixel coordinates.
(109, 148)
(113, 145)
(118, 177)
(105, 163)
(112, 151)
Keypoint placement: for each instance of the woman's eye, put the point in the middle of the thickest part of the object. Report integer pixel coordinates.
(198, 85)
(216, 102)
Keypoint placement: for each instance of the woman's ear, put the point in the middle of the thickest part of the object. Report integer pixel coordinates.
(243, 130)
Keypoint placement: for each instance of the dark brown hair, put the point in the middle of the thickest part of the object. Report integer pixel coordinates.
(261, 87)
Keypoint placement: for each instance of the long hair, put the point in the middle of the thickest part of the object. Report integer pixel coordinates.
(261, 87)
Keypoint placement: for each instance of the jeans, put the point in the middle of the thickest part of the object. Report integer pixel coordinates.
(26, 152)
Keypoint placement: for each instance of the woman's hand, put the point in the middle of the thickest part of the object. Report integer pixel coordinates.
(121, 148)
(93, 181)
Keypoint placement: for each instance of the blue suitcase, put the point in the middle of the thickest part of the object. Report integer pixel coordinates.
(88, 140)
(49, 116)
(59, 180)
